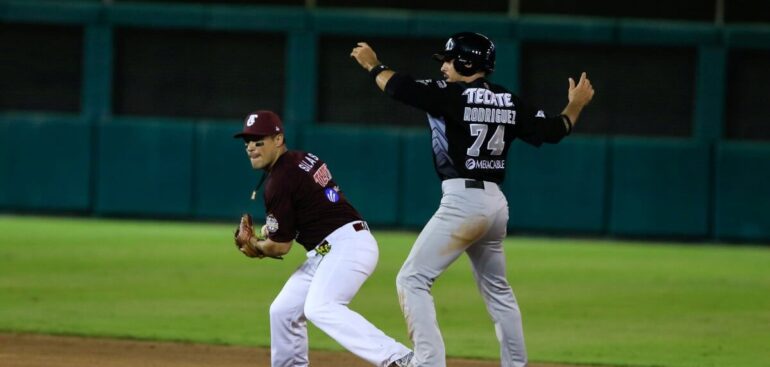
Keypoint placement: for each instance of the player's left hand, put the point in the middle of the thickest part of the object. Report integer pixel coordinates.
(582, 92)
(365, 56)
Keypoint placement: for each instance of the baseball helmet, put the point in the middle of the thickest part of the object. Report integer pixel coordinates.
(469, 52)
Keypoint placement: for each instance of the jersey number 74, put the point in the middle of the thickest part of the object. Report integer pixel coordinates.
(496, 144)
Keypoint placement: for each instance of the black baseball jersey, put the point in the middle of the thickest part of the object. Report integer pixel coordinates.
(302, 200)
(473, 124)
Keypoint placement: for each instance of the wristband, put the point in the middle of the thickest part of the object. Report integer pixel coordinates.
(377, 70)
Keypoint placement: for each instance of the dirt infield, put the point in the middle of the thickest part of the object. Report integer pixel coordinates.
(31, 350)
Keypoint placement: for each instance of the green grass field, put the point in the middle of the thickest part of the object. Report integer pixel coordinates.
(584, 301)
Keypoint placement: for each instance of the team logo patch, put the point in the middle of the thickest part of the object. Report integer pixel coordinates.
(272, 223)
(252, 119)
(540, 114)
(450, 45)
(322, 176)
(470, 164)
(332, 195)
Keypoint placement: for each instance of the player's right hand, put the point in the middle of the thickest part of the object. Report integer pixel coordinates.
(365, 56)
(251, 250)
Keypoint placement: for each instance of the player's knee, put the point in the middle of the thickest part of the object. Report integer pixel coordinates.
(498, 295)
(498, 285)
(408, 279)
(281, 311)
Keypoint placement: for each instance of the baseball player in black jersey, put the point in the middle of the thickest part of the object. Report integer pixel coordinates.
(304, 203)
(473, 123)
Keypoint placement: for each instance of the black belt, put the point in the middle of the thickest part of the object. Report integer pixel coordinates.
(324, 247)
(474, 184)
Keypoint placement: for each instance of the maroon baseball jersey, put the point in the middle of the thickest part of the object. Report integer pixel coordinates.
(303, 202)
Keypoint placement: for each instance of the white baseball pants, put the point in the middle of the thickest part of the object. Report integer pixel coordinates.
(320, 291)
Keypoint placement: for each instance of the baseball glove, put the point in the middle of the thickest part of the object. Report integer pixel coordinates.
(243, 235)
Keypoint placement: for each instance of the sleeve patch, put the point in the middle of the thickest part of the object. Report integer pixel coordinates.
(272, 223)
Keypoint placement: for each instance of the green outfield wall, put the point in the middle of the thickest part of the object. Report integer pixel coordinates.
(97, 153)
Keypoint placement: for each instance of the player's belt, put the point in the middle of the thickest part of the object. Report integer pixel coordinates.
(360, 226)
(474, 184)
(324, 247)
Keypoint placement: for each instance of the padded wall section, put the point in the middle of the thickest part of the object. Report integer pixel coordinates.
(660, 187)
(145, 168)
(223, 175)
(557, 187)
(364, 163)
(667, 33)
(420, 192)
(742, 209)
(45, 164)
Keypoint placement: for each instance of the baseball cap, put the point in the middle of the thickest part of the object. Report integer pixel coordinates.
(261, 123)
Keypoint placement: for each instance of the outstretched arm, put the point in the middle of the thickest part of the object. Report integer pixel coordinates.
(366, 57)
(578, 96)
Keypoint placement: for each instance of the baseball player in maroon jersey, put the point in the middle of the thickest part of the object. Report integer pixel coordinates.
(473, 122)
(304, 204)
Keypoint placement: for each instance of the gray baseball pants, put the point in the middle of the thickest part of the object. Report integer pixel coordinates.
(474, 221)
